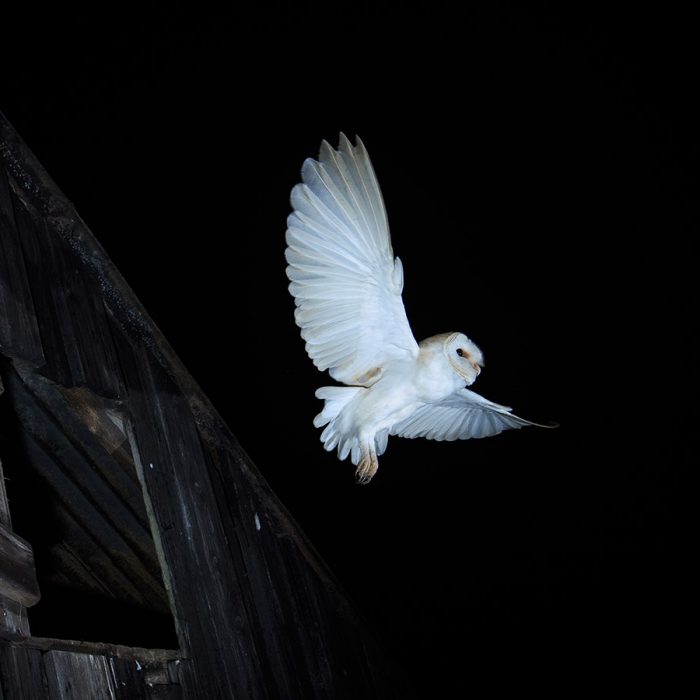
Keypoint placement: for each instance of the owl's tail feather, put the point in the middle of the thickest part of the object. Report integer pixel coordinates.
(337, 433)
(341, 433)
(336, 399)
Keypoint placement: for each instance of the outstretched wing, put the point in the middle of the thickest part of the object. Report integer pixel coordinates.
(344, 278)
(462, 415)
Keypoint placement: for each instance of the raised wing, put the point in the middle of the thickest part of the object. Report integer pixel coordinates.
(344, 278)
(462, 415)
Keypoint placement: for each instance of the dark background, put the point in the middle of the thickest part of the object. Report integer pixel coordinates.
(539, 171)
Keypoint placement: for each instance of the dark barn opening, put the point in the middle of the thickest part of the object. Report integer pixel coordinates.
(74, 493)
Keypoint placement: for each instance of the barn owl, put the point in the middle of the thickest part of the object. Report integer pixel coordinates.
(347, 286)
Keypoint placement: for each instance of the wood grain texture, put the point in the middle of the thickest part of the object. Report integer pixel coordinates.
(13, 617)
(22, 673)
(19, 330)
(78, 676)
(259, 615)
(38, 669)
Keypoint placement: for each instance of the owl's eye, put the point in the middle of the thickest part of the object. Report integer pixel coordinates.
(460, 352)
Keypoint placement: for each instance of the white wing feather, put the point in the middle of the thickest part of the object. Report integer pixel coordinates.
(462, 415)
(344, 278)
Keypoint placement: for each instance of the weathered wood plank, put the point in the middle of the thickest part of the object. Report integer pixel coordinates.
(13, 617)
(45, 671)
(19, 331)
(68, 319)
(71, 315)
(76, 676)
(191, 533)
(79, 676)
(17, 573)
(65, 231)
(311, 641)
(21, 673)
(145, 657)
(147, 680)
(272, 584)
(249, 533)
(130, 679)
(37, 261)
(5, 518)
(5, 195)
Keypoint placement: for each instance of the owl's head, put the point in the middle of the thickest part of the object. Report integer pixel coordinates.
(464, 356)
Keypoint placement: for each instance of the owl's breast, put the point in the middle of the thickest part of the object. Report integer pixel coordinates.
(434, 378)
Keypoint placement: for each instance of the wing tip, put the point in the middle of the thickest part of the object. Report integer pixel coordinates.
(346, 145)
(524, 422)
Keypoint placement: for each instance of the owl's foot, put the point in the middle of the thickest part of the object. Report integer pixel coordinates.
(367, 467)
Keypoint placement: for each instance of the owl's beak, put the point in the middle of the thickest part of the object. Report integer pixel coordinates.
(477, 367)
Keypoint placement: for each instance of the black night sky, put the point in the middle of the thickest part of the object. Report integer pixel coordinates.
(537, 169)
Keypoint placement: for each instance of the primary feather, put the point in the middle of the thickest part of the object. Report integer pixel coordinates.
(462, 415)
(347, 287)
(344, 277)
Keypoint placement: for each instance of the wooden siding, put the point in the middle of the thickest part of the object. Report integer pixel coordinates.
(42, 668)
(258, 614)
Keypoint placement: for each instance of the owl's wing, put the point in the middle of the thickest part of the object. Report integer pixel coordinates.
(462, 415)
(344, 278)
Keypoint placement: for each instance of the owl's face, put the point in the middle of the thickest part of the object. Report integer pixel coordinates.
(464, 356)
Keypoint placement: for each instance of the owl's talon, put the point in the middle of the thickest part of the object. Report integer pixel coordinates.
(367, 467)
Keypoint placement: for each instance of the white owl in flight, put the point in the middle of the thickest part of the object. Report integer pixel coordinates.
(347, 285)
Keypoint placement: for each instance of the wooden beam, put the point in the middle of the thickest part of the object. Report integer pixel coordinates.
(17, 574)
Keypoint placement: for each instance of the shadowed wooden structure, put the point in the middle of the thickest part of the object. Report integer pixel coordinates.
(144, 528)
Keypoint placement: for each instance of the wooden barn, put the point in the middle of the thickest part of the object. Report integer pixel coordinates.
(134, 529)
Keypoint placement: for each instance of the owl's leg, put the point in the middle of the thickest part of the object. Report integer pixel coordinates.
(368, 465)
